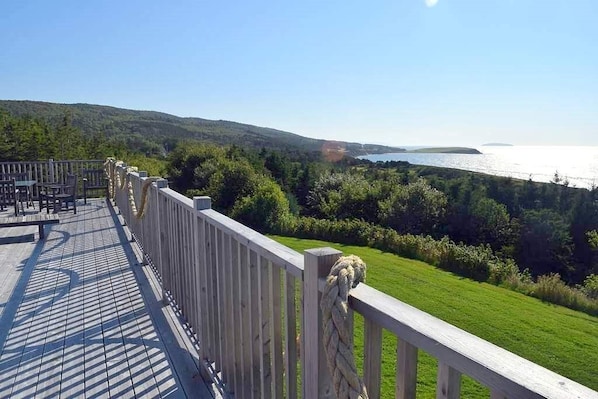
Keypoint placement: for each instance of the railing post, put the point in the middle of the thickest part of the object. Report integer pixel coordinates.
(200, 283)
(316, 378)
(202, 203)
(51, 170)
(140, 233)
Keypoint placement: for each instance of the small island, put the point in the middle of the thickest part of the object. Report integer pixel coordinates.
(497, 145)
(446, 150)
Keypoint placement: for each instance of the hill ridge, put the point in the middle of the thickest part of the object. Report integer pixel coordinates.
(163, 127)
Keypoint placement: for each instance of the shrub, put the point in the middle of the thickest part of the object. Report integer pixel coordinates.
(503, 271)
(265, 209)
(590, 286)
(552, 289)
(467, 261)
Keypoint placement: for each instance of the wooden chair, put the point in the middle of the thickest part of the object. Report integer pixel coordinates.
(9, 195)
(94, 179)
(23, 193)
(67, 193)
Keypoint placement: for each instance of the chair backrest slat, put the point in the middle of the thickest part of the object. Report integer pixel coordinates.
(71, 184)
(8, 194)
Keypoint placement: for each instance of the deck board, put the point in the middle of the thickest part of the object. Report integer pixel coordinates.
(75, 321)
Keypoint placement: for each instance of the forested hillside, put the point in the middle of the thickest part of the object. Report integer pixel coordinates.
(157, 133)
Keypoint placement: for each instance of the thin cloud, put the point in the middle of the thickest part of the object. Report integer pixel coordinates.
(430, 3)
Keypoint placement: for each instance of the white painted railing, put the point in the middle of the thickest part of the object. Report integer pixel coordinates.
(244, 296)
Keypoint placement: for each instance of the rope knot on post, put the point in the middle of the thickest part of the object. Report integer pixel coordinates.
(346, 273)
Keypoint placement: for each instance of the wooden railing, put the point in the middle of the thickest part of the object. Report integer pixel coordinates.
(249, 301)
(50, 170)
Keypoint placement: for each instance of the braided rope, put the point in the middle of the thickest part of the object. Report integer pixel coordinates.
(144, 189)
(121, 178)
(109, 167)
(346, 273)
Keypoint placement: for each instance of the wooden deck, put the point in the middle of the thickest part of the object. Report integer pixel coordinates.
(80, 317)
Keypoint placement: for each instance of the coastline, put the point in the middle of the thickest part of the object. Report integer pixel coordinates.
(576, 164)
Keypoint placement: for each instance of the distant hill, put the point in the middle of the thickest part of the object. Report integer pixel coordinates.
(168, 129)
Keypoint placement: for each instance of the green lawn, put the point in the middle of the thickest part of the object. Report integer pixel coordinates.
(555, 337)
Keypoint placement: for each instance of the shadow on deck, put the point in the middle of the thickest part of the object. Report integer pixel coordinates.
(79, 316)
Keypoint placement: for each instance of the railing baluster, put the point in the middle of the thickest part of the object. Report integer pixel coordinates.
(448, 385)
(245, 318)
(291, 336)
(255, 327)
(276, 329)
(372, 365)
(237, 312)
(188, 264)
(213, 300)
(265, 321)
(228, 369)
(406, 380)
(494, 394)
(220, 291)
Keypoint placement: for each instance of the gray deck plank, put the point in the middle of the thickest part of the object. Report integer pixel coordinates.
(76, 323)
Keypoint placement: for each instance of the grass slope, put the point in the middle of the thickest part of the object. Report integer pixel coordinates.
(555, 337)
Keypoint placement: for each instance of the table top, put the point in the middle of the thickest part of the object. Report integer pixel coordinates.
(25, 183)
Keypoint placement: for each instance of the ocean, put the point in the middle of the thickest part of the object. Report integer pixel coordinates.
(577, 164)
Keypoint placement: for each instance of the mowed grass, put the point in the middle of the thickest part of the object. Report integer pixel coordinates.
(555, 337)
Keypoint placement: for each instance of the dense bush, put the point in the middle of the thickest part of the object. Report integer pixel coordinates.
(468, 261)
(476, 262)
(414, 208)
(266, 209)
(343, 196)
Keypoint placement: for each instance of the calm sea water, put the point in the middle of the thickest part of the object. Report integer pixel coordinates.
(577, 164)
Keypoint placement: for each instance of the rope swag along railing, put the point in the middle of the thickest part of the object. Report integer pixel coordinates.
(139, 212)
(121, 179)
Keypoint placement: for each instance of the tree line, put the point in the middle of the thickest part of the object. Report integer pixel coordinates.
(31, 138)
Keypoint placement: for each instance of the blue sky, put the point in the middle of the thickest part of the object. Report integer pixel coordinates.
(402, 72)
